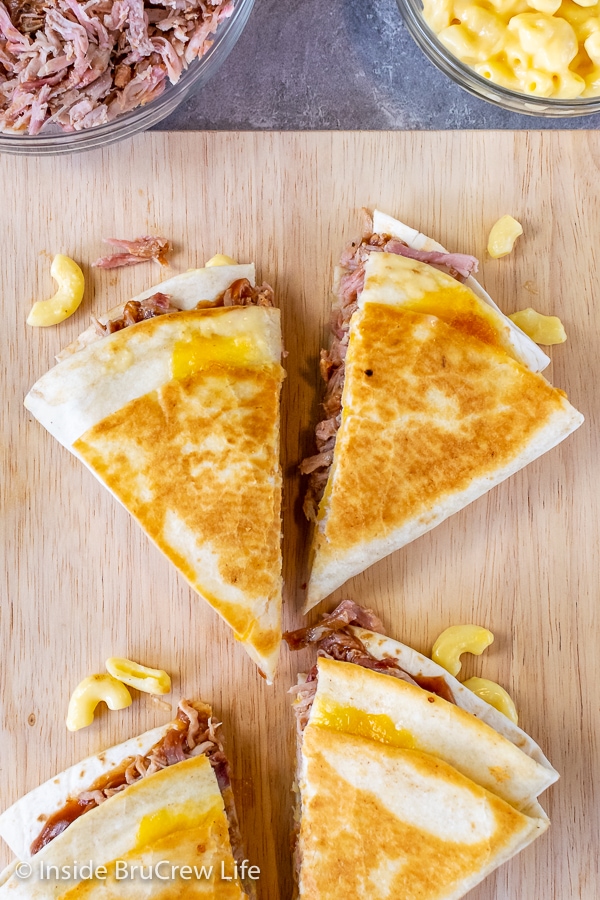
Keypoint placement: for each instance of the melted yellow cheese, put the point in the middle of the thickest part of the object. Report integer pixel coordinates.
(349, 720)
(193, 353)
(457, 306)
(180, 817)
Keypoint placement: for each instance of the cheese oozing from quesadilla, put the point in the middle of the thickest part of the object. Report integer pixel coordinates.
(408, 784)
(176, 412)
(433, 397)
(161, 803)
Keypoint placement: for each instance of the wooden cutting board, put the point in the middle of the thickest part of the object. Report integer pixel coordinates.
(83, 583)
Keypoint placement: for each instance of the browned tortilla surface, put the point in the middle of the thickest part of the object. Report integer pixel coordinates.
(359, 835)
(428, 409)
(206, 448)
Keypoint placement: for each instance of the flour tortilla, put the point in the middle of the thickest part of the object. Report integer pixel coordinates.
(21, 823)
(404, 794)
(480, 743)
(194, 457)
(166, 816)
(380, 822)
(433, 417)
(532, 355)
(185, 291)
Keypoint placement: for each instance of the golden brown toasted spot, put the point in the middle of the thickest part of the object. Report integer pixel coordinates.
(460, 308)
(354, 845)
(199, 457)
(206, 844)
(476, 326)
(441, 410)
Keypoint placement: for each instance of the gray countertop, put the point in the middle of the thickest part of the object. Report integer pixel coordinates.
(338, 64)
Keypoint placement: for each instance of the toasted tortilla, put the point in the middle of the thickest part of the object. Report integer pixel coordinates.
(525, 349)
(402, 793)
(182, 814)
(380, 646)
(435, 414)
(185, 290)
(379, 822)
(21, 823)
(370, 704)
(178, 416)
(175, 817)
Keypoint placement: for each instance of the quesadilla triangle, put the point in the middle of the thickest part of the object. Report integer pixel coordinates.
(408, 784)
(433, 397)
(172, 401)
(155, 817)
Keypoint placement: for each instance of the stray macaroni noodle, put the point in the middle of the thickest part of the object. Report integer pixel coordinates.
(544, 48)
(503, 236)
(89, 693)
(455, 641)
(67, 298)
(493, 694)
(220, 260)
(545, 330)
(142, 678)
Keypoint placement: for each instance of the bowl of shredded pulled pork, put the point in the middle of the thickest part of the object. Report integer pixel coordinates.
(78, 74)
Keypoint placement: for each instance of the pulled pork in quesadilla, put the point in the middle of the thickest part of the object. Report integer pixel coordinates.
(408, 784)
(168, 791)
(432, 398)
(172, 401)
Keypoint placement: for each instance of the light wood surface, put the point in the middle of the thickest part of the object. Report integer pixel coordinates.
(83, 583)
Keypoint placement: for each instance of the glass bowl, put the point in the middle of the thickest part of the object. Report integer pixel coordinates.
(467, 78)
(199, 72)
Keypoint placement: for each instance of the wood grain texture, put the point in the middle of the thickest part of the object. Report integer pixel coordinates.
(83, 583)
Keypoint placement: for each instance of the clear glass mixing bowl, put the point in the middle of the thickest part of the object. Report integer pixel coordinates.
(200, 71)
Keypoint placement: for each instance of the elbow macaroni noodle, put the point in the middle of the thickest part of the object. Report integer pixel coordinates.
(142, 678)
(495, 695)
(503, 236)
(545, 48)
(89, 693)
(545, 330)
(67, 298)
(459, 639)
(455, 641)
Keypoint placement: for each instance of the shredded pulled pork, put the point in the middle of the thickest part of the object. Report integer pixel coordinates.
(136, 311)
(459, 265)
(193, 732)
(240, 293)
(332, 365)
(135, 252)
(334, 640)
(80, 64)
(346, 613)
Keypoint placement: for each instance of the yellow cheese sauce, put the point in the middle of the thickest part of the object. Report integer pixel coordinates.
(180, 817)
(349, 720)
(460, 309)
(196, 351)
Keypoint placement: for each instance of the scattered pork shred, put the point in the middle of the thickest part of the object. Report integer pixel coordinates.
(240, 293)
(83, 64)
(135, 252)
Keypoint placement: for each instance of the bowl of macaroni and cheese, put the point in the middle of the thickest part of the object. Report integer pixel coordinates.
(538, 57)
